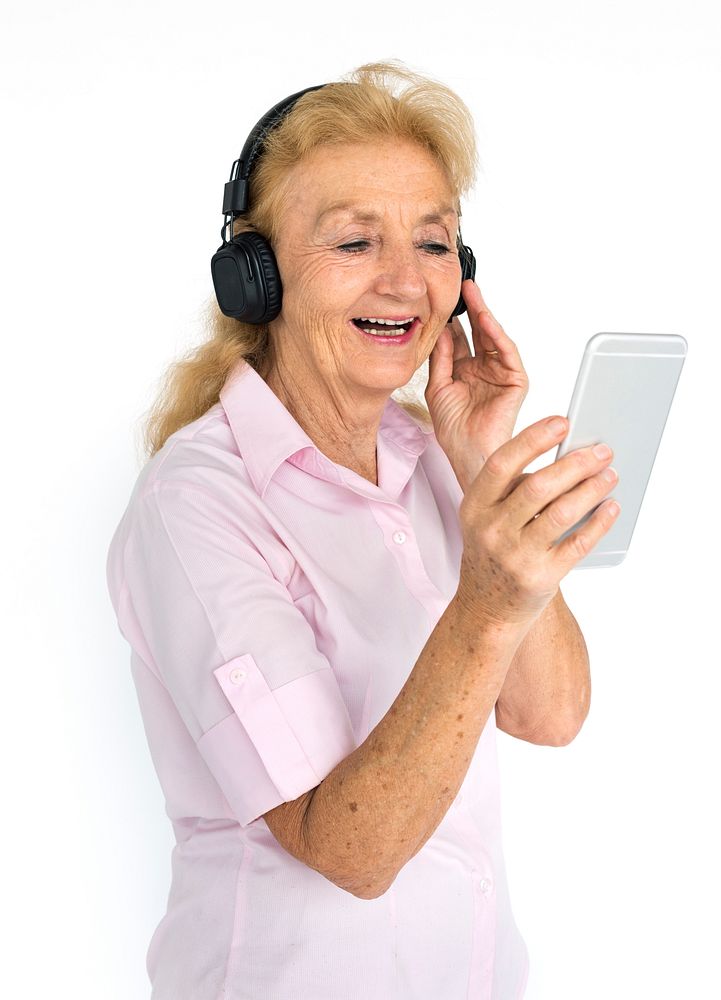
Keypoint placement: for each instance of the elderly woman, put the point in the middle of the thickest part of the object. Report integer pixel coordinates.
(334, 597)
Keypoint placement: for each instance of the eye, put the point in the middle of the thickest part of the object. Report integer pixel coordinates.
(357, 246)
(438, 248)
(353, 247)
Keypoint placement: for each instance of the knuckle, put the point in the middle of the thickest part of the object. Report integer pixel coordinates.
(586, 458)
(537, 487)
(495, 465)
(580, 544)
(538, 436)
(582, 460)
(493, 538)
(559, 515)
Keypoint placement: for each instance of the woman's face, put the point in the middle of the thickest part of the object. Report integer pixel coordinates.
(389, 253)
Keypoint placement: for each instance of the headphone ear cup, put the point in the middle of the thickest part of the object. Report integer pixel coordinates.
(468, 270)
(246, 279)
(272, 286)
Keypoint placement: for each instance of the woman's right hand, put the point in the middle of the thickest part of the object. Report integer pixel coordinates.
(510, 568)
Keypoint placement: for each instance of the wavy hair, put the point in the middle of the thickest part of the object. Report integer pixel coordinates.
(425, 111)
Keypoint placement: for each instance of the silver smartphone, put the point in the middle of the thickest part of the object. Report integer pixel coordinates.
(622, 396)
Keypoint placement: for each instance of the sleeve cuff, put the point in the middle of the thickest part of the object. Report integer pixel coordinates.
(277, 744)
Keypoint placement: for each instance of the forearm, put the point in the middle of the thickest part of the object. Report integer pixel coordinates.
(547, 691)
(380, 805)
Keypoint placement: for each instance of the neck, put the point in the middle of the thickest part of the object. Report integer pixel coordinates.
(344, 432)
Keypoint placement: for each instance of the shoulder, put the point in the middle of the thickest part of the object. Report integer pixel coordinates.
(203, 455)
(197, 482)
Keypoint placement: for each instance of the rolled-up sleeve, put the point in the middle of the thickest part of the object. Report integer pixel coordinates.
(238, 658)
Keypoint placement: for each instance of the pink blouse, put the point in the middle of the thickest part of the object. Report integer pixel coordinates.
(275, 604)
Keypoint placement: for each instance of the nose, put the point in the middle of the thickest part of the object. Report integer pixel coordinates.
(399, 273)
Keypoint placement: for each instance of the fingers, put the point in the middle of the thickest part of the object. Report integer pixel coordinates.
(440, 364)
(511, 520)
(550, 492)
(483, 322)
(580, 542)
(490, 341)
(472, 297)
(574, 504)
(508, 462)
(460, 340)
(595, 478)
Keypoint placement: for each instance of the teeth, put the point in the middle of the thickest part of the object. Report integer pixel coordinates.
(388, 322)
(377, 333)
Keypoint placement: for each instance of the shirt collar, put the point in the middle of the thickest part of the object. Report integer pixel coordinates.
(267, 435)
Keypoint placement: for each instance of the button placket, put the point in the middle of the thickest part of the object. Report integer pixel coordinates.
(401, 542)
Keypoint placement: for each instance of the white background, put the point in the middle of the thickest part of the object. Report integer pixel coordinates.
(597, 209)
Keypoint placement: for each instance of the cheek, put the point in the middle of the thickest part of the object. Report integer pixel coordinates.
(445, 283)
(316, 289)
(448, 269)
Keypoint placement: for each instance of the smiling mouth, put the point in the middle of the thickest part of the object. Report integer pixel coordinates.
(387, 329)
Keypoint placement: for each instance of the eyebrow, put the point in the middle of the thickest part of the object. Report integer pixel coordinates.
(365, 215)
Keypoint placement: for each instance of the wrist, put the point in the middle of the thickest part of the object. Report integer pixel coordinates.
(466, 472)
(474, 611)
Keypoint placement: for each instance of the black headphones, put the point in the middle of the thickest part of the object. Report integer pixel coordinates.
(245, 272)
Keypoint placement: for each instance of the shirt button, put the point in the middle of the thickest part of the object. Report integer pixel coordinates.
(236, 675)
(399, 537)
(485, 886)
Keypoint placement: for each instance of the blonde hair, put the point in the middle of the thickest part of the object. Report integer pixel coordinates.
(426, 112)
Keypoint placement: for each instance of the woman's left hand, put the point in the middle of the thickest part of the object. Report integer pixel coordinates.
(474, 400)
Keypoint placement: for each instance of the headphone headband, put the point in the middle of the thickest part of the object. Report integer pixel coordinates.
(235, 196)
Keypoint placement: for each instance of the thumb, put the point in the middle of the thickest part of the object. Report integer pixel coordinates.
(440, 361)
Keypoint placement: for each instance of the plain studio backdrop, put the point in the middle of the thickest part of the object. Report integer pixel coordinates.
(596, 209)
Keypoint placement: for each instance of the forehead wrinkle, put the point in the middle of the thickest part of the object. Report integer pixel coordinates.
(363, 214)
